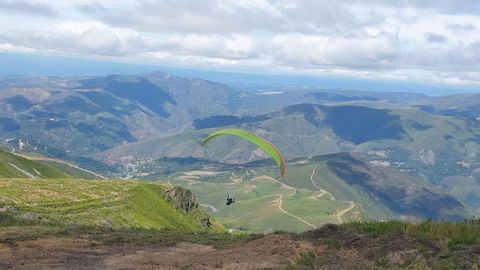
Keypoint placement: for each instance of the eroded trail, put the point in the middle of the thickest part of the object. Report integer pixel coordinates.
(341, 213)
(322, 191)
(280, 202)
(344, 211)
(22, 171)
(280, 198)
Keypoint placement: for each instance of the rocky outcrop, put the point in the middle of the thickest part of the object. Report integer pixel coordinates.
(181, 198)
(185, 200)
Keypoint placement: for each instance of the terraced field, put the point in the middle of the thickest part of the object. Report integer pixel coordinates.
(110, 203)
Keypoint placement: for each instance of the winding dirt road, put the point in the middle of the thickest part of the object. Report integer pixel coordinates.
(280, 202)
(344, 211)
(280, 198)
(340, 214)
(322, 191)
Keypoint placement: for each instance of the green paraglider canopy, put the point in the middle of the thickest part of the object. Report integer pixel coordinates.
(267, 146)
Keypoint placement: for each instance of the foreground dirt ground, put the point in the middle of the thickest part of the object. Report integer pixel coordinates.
(271, 252)
(330, 247)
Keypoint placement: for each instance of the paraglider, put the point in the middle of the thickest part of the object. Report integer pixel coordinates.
(267, 146)
(230, 200)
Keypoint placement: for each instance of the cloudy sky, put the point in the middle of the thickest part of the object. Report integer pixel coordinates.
(434, 41)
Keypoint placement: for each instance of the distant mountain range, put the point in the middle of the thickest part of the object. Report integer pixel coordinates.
(32, 64)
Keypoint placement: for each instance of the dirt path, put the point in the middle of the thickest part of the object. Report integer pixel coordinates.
(280, 198)
(280, 202)
(282, 184)
(22, 171)
(322, 191)
(344, 211)
(63, 162)
(341, 213)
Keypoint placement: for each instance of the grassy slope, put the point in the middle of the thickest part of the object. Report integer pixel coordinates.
(117, 204)
(71, 171)
(8, 162)
(35, 166)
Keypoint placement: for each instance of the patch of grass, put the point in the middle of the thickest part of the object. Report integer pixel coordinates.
(382, 261)
(112, 236)
(451, 236)
(333, 244)
(306, 260)
(377, 228)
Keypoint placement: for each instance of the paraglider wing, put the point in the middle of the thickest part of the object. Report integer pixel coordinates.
(259, 141)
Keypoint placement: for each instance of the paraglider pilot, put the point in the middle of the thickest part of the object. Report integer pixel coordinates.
(230, 200)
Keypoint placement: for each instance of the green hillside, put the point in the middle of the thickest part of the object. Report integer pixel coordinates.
(13, 166)
(31, 165)
(72, 171)
(113, 204)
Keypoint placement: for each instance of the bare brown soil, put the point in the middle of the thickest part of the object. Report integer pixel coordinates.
(330, 247)
(270, 252)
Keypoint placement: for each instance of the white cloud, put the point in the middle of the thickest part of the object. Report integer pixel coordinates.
(24, 7)
(418, 40)
(339, 52)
